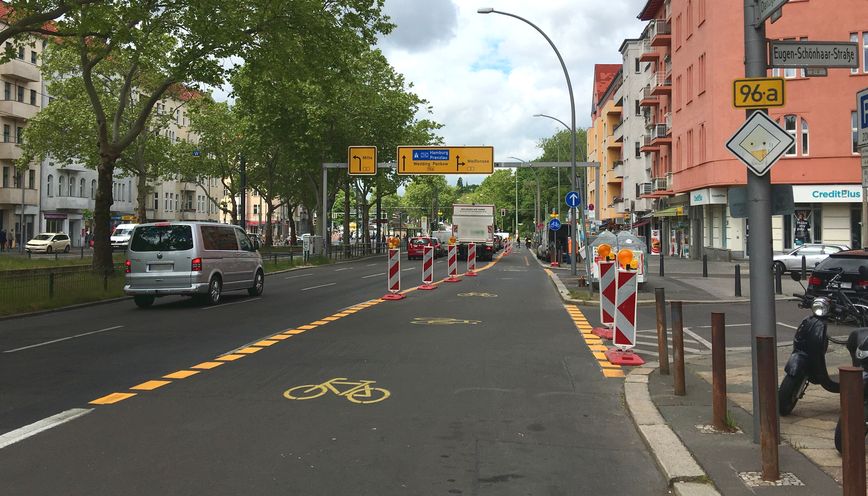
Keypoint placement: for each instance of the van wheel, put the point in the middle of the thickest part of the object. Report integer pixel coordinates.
(215, 288)
(258, 284)
(143, 301)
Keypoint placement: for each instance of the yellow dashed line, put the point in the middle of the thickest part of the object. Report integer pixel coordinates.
(265, 342)
(280, 337)
(230, 358)
(307, 327)
(150, 385)
(597, 347)
(609, 365)
(341, 314)
(181, 374)
(208, 365)
(248, 350)
(331, 319)
(600, 356)
(295, 331)
(318, 323)
(613, 373)
(112, 398)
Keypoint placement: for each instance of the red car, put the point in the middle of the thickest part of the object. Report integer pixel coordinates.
(415, 248)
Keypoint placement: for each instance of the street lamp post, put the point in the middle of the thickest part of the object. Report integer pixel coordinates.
(516, 196)
(573, 220)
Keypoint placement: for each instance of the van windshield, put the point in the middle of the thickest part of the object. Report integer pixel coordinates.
(162, 238)
(121, 232)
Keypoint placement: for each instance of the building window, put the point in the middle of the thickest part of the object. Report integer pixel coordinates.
(156, 201)
(701, 11)
(16, 179)
(21, 52)
(790, 126)
(7, 131)
(49, 183)
(31, 179)
(637, 152)
(82, 192)
(678, 93)
(690, 148)
(678, 163)
(93, 189)
(32, 56)
(854, 38)
(854, 125)
(865, 51)
(71, 187)
(702, 149)
(21, 94)
(689, 93)
(689, 18)
(32, 97)
(638, 109)
(702, 73)
(256, 208)
(61, 185)
(19, 135)
(166, 202)
(637, 65)
(678, 31)
(805, 140)
(7, 91)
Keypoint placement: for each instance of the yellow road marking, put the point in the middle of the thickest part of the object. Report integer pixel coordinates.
(331, 319)
(608, 365)
(230, 358)
(597, 347)
(318, 323)
(248, 350)
(342, 314)
(295, 331)
(600, 355)
(112, 398)
(181, 374)
(265, 342)
(208, 365)
(613, 373)
(150, 385)
(280, 337)
(307, 327)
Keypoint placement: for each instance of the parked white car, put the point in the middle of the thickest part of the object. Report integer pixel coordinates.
(48, 243)
(814, 253)
(120, 237)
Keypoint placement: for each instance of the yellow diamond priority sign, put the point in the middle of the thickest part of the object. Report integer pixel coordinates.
(362, 160)
(760, 142)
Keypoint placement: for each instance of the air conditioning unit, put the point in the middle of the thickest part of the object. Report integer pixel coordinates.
(646, 188)
(660, 184)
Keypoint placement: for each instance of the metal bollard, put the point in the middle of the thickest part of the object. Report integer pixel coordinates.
(768, 403)
(778, 288)
(51, 284)
(737, 279)
(662, 338)
(662, 263)
(678, 348)
(852, 425)
(704, 265)
(718, 370)
(804, 268)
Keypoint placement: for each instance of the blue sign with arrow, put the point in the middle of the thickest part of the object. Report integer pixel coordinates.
(573, 199)
(554, 224)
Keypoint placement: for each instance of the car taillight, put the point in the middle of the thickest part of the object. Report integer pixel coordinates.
(487, 248)
(128, 266)
(814, 281)
(196, 265)
(862, 284)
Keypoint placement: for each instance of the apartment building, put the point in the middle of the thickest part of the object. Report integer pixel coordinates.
(604, 145)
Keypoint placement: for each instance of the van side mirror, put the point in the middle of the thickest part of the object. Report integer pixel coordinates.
(796, 275)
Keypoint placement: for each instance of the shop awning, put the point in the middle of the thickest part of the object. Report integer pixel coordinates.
(641, 223)
(669, 212)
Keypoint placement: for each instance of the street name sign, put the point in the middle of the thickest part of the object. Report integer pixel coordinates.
(862, 118)
(750, 93)
(760, 142)
(445, 159)
(362, 160)
(554, 224)
(799, 54)
(573, 199)
(766, 8)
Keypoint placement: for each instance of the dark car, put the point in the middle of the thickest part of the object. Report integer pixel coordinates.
(853, 283)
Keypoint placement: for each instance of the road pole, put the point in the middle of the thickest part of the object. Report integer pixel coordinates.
(759, 194)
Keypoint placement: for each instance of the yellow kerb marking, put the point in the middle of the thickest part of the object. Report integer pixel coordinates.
(600, 356)
(208, 365)
(597, 347)
(296, 331)
(307, 327)
(265, 342)
(181, 374)
(613, 373)
(248, 350)
(150, 385)
(609, 365)
(319, 322)
(112, 398)
(230, 358)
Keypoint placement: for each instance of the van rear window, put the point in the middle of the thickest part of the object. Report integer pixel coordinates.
(162, 238)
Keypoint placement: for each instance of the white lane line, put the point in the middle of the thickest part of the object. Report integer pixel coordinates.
(409, 268)
(373, 275)
(320, 286)
(35, 428)
(343, 268)
(248, 300)
(727, 325)
(63, 339)
(370, 265)
(788, 326)
(300, 275)
(698, 338)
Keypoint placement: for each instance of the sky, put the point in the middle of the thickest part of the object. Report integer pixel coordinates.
(487, 75)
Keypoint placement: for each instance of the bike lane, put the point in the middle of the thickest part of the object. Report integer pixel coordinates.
(491, 391)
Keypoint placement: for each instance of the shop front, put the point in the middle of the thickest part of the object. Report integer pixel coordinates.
(827, 213)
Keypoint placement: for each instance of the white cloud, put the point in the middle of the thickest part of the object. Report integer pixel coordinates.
(486, 75)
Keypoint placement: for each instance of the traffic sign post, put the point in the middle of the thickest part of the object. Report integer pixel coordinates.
(800, 54)
(393, 275)
(362, 160)
(573, 199)
(760, 142)
(768, 8)
(554, 224)
(445, 159)
(471, 260)
(624, 333)
(862, 143)
(751, 93)
(427, 269)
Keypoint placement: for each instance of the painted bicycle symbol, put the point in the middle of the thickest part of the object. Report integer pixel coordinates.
(442, 321)
(481, 295)
(359, 392)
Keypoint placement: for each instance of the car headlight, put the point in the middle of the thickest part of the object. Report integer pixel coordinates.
(820, 306)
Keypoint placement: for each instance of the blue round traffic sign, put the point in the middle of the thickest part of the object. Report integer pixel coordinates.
(573, 199)
(554, 224)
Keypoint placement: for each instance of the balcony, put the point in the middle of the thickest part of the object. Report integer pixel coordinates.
(13, 196)
(621, 205)
(613, 142)
(67, 203)
(661, 135)
(21, 70)
(17, 110)
(10, 151)
(615, 111)
(660, 33)
(614, 178)
(648, 99)
(618, 169)
(648, 145)
(662, 84)
(618, 130)
(649, 53)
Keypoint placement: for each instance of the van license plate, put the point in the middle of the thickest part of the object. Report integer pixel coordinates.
(158, 267)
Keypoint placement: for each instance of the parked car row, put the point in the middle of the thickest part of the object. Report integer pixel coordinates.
(416, 247)
(814, 253)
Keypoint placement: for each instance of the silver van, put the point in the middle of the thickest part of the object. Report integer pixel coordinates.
(200, 259)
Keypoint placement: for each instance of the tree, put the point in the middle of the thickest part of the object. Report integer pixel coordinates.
(34, 17)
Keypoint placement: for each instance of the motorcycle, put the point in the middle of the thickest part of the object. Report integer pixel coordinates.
(807, 363)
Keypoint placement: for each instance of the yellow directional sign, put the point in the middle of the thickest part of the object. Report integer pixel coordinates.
(445, 159)
(758, 93)
(362, 160)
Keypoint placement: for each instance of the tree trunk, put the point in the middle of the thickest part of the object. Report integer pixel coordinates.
(346, 238)
(292, 234)
(366, 215)
(269, 215)
(142, 197)
(102, 249)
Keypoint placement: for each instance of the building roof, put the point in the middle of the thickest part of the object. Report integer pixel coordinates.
(628, 41)
(603, 76)
(649, 11)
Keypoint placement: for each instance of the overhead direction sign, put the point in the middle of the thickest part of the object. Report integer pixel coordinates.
(767, 8)
(862, 117)
(750, 93)
(362, 160)
(573, 199)
(554, 224)
(760, 142)
(799, 54)
(445, 159)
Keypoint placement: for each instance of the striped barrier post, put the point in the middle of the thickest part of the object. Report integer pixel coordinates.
(471, 260)
(452, 264)
(624, 334)
(427, 269)
(607, 271)
(393, 276)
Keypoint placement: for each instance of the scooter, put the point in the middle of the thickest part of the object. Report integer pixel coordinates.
(807, 363)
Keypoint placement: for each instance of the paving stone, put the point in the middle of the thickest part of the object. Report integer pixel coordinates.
(694, 489)
(814, 423)
(671, 455)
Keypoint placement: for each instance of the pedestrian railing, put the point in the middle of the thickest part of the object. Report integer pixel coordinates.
(32, 289)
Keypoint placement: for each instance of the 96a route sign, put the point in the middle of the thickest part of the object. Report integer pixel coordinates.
(754, 93)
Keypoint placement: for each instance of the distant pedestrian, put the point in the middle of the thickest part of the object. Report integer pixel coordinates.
(2, 239)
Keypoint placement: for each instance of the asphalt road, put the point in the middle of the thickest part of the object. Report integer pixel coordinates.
(480, 387)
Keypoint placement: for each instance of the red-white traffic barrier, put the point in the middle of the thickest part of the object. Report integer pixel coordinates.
(452, 264)
(393, 275)
(624, 335)
(607, 271)
(471, 260)
(427, 269)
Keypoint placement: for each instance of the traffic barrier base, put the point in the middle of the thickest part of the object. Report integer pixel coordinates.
(427, 287)
(603, 332)
(470, 273)
(627, 358)
(555, 264)
(452, 279)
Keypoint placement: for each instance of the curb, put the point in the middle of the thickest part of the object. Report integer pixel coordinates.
(681, 470)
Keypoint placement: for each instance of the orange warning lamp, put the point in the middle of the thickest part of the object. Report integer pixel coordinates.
(452, 240)
(604, 251)
(634, 264)
(625, 256)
